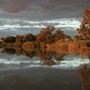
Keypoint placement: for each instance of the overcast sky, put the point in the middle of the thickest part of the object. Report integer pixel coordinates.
(42, 9)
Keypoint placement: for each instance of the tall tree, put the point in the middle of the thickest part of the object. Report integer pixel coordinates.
(84, 30)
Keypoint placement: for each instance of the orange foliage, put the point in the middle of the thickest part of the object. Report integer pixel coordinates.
(84, 73)
(28, 46)
(84, 30)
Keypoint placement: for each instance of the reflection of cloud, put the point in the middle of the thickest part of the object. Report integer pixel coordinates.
(15, 64)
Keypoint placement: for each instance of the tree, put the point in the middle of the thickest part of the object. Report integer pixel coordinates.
(45, 34)
(60, 35)
(84, 30)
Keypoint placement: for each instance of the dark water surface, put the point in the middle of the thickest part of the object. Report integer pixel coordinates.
(40, 78)
(37, 70)
(30, 72)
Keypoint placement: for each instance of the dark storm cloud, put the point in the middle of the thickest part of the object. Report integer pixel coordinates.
(14, 6)
(43, 9)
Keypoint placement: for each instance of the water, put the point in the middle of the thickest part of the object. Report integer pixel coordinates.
(40, 78)
(37, 70)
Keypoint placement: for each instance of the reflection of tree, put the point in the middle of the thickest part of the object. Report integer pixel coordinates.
(0, 44)
(46, 58)
(43, 55)
(18, 51)
(29, 54)
(57, 55)
(84, 73)
(49, 62)
(9, 51)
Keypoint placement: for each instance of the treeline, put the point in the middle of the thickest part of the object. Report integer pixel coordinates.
(51, 39)
(46, 35)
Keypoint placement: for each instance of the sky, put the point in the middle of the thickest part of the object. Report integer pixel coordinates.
(42, 9)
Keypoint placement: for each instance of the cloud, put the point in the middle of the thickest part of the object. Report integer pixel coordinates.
(13, 6)
(42, 9)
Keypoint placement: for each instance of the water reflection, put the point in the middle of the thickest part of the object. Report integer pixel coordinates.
(46, 58)
(84, 73)
(38, 79)
(43, 78)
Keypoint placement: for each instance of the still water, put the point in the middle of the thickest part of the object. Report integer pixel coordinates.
(37, 70)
